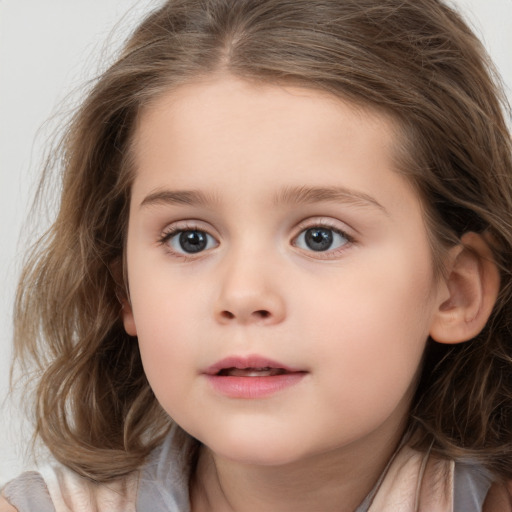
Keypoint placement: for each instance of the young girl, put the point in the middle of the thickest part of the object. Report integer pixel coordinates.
(280, 275)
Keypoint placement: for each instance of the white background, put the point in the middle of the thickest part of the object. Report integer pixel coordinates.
(48, 48)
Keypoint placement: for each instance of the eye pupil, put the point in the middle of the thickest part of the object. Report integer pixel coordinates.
(193, 241)
(319, 239)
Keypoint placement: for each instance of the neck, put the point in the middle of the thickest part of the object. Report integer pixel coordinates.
(335, 481)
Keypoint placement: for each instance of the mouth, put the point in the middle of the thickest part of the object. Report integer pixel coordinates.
(266, 371)
(251, 377)
(249, 366)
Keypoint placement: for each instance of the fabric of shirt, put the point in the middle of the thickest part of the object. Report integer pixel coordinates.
(412, 482)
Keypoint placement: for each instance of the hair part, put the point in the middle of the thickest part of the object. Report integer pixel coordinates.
(415, 60)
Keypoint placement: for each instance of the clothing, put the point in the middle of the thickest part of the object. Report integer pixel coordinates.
(412, 482)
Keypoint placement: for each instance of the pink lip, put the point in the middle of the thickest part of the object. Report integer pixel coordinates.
(251, 387)
(251, 361)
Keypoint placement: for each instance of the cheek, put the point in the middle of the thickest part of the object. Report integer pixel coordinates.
(371, 329)
(169, 361)
(165, 315)
(165, 327)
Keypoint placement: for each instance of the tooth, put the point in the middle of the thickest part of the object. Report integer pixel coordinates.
(252, 372)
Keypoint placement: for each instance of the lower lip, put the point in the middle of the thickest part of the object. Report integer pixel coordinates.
(253, 387)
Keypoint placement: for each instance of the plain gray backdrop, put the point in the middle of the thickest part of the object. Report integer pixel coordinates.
(48, 48)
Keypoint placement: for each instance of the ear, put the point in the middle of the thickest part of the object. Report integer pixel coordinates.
(128, 320)
(122, 294)
(472, 283)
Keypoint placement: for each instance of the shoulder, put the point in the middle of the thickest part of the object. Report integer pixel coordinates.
(499, 498)
(57, 488)
(5, 507)
(27, 492)
(67, 487)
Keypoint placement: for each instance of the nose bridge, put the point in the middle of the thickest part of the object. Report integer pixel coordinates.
(249, 290)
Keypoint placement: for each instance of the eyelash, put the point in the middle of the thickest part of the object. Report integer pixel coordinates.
(325, 224)
(172, 231)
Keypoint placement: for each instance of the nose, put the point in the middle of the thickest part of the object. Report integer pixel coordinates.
(250, 293)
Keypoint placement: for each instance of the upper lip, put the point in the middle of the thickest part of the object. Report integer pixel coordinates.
(250, 361)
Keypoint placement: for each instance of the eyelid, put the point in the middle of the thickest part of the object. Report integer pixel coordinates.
(328, 223)
(325, 222)
(174, 228)
(185, 225)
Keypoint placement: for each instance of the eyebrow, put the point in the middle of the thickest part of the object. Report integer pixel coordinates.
(289, 195)
(186, 197)
(311, 195)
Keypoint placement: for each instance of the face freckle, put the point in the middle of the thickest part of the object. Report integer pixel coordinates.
(312, 285)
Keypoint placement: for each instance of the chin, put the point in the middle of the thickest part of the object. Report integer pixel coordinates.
(257, 450)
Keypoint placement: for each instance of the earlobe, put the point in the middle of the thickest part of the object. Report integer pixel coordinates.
(473, 283)
(128, 320)
(117, 272)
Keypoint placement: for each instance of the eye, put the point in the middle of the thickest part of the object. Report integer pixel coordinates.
(320, 239)
(190, 241)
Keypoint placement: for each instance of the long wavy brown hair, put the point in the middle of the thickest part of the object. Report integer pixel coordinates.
(416, 60)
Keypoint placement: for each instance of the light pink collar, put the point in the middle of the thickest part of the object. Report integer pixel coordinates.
(415, 482)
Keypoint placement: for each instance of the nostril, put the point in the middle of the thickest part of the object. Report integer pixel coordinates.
(260, 313)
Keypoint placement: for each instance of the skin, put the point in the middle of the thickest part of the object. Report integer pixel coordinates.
(354, 318)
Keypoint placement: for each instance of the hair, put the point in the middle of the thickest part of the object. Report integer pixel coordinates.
(415, 60)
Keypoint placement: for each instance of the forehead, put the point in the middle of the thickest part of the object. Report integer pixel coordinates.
(215, 101)
(227, 132)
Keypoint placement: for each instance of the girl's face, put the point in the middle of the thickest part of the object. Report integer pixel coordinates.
(281, 282)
